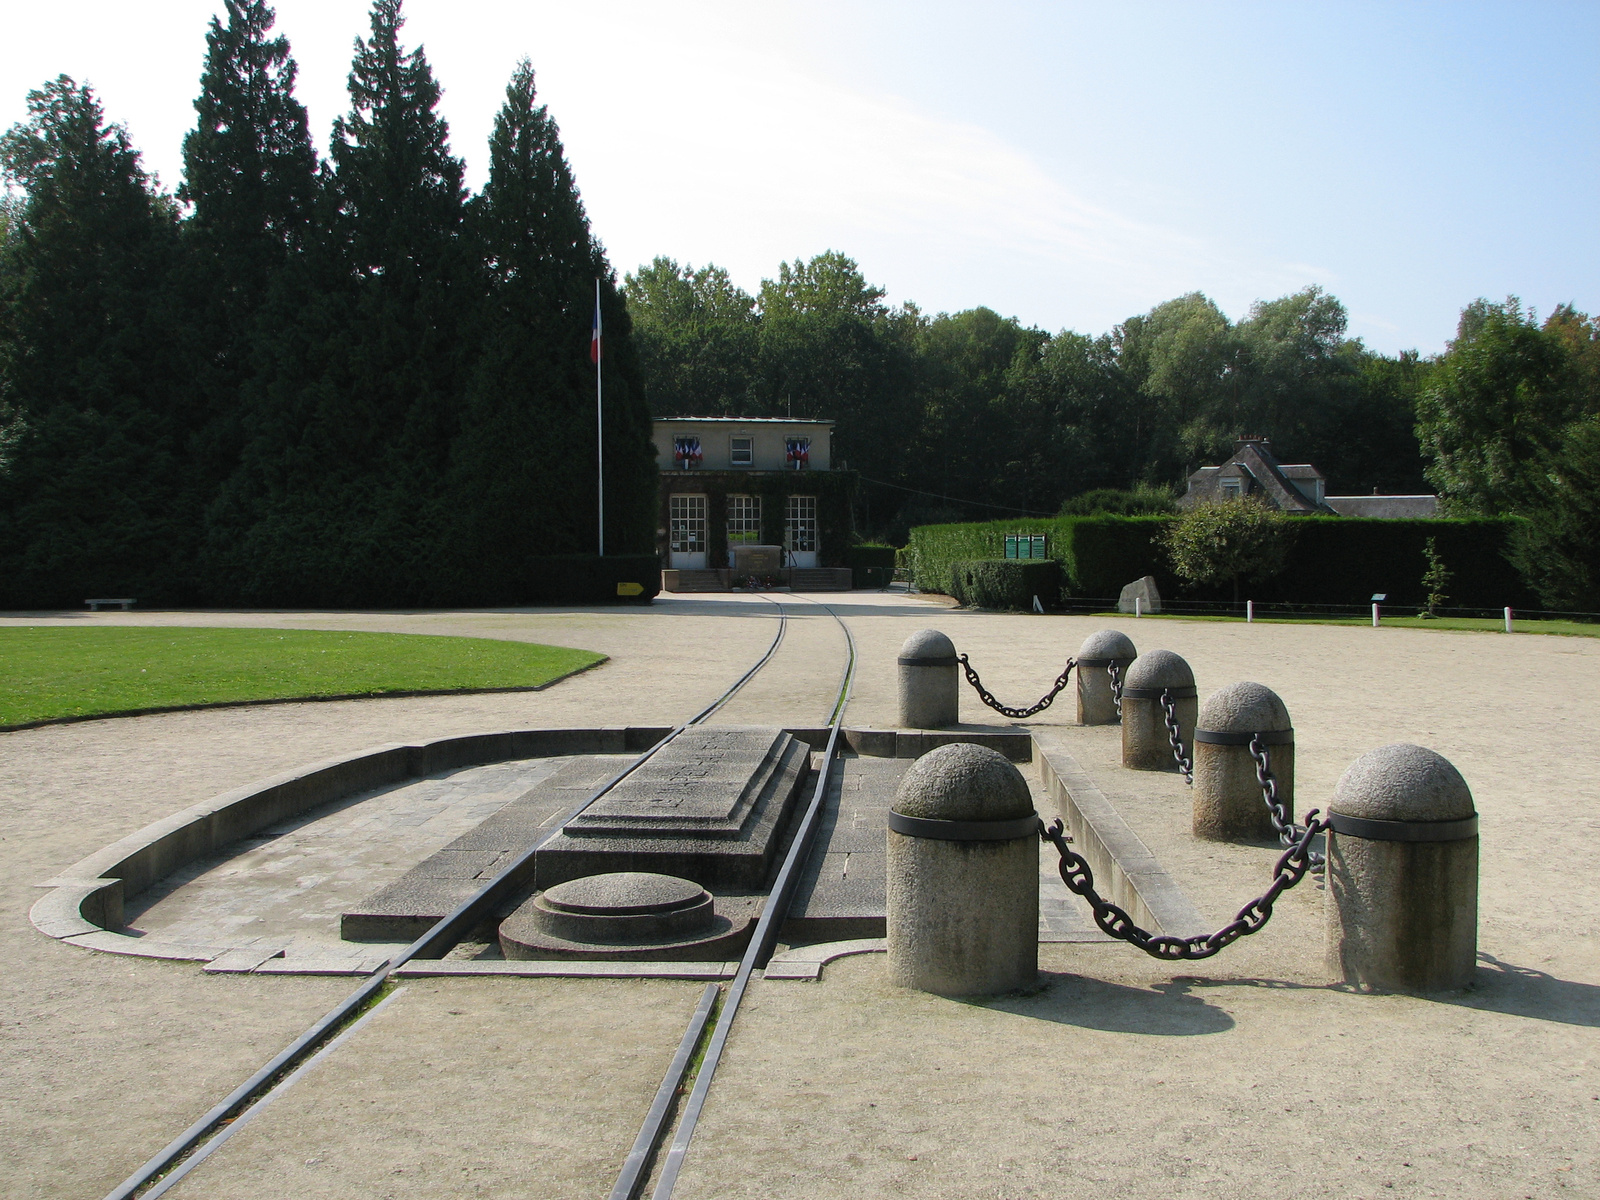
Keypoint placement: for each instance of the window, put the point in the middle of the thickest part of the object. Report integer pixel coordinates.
(686, 522)
(1231, 487)
(800, 525)
(742, 451)
(744, 520)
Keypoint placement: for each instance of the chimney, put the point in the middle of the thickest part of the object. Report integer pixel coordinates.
(1251, 439)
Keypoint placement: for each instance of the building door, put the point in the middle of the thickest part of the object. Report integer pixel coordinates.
(800, 530)
(686, 524)
(744, 522)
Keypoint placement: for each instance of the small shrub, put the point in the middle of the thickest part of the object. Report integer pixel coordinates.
(1229, 541)
(1006, 583)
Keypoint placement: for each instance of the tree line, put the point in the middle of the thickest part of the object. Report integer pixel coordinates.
(973, 415)
(296, 380)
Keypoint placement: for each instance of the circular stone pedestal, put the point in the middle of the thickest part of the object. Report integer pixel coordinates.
(624, 915)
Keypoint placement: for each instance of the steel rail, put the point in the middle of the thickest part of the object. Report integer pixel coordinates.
(755, 956)
(434, 944)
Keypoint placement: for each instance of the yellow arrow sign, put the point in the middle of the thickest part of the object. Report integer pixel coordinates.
(630, 589)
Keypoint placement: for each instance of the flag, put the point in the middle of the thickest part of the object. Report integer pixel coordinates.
(594, 341)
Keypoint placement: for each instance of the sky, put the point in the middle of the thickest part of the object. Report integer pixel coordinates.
(1068, 164)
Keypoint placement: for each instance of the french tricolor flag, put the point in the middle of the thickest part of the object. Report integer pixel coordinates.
(594, 341)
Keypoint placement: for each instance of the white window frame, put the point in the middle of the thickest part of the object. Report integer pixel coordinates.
(742, 455)
(686, 522)
(744, 521)
(800, 524)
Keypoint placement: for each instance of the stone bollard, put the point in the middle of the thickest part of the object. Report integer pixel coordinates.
(1228, 805)
(930, 689)
(1096, 705)
(963, 875)
(1402, 908)
(1145, 745)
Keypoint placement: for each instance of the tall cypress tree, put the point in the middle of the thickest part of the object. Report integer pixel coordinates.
(360, 390)
(87, 502)
(523, 470)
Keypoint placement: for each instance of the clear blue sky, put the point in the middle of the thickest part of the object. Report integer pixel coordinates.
(1069, 164)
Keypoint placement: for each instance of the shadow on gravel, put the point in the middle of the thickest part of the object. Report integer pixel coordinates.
(1161, 1010)
(1524, 992)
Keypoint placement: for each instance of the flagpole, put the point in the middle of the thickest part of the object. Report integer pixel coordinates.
(600, 424)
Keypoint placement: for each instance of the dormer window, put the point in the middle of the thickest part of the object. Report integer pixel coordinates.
(1232, 487)
(742, 451)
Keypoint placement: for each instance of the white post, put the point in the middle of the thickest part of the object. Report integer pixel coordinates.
(1374, 616)
(600, 425)
(1508, 620)
(1249, 611)
(1138, 606)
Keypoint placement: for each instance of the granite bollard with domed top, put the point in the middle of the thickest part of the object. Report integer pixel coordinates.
(1145, 744)
(1096, 703)
(930, 689)
(1228, 804)
(1402, 875)
(963, 875)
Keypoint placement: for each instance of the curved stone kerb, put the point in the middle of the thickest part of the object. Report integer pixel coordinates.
(929, 644)
(1107, 643)
(1243, 707)
(1158, 669)
(1402, 782)
(963, 782)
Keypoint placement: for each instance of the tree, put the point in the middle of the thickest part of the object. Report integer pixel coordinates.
(1229, 541)
(1493, 412)
(1559, 550)
(88, 501)
(522, 475)
(698, 337)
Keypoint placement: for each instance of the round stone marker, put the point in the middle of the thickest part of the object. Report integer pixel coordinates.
(963, 905)
(1402, 907)
(930, 690)
(624, 906)
(1096, 704)
(1145, 745)
(1228, 804)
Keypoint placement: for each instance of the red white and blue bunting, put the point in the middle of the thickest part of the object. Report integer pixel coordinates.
(797, 451)
(686, 451)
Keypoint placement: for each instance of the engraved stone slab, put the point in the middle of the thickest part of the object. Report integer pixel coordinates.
(711, 807)
(706, 783)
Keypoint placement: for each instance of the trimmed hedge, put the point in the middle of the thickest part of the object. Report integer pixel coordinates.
(588, 579)
(872, 565)
(1008, 583)
(1335, 560)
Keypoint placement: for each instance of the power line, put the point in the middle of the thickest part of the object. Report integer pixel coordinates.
(957, 499)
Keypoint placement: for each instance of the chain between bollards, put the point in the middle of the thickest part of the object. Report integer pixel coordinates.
(1116, 686)
(1017, 714)
(1282, 819)
(1291, 868)
(1169, 713)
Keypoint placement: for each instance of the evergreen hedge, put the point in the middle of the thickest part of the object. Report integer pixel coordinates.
(1335, 560)
(1006, 583)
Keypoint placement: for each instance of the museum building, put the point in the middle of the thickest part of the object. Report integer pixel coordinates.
(751, 501)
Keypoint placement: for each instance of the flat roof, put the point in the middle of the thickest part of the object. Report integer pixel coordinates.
(747, 420)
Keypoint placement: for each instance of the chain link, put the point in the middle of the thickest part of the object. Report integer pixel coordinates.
(1169, 712)
(1116, 686)
(1282, 819)
(1076, 874)
(1016, 714)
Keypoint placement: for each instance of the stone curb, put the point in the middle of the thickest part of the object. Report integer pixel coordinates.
(1125, 870)
(806, 963)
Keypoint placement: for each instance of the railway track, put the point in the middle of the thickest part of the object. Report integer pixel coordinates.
(186, 1152)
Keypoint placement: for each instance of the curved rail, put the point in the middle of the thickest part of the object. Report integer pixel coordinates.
(636, 1167)
(185, 1151)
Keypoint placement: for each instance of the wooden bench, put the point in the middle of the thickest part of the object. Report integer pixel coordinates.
(94, 605)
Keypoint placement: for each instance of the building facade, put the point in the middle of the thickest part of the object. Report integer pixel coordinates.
(1253, 470)
(730, 483)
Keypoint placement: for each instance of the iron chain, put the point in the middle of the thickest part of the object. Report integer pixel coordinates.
(1169, 713)
(1282, 819)
(1116, 686)
(1016, 714)
(1291, 868)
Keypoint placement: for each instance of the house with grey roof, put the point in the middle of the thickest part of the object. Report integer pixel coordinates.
(1300, 488)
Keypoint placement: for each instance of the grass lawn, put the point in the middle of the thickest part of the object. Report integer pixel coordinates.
(52, 671)
(1476, 624)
